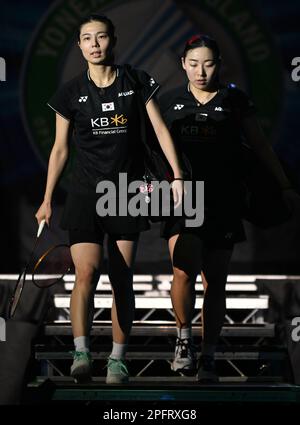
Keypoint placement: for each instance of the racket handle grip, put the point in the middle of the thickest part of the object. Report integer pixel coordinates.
(40, 229)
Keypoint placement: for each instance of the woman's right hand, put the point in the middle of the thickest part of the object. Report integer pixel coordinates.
(44, 212)
(178, 190)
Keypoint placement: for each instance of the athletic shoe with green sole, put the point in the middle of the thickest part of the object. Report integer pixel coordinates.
(117, 372)
(81, 368)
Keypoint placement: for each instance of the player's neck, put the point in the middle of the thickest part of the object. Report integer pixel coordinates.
(203, 96)
(102, 75)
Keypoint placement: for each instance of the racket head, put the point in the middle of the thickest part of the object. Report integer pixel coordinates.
(15, 299)
(52, 266)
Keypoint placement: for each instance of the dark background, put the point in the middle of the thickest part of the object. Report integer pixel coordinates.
(23, 171)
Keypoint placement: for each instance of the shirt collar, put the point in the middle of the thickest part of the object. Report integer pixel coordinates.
(89, 77)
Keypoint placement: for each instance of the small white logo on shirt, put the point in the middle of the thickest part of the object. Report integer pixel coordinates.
(178, 107)
(201, 116)
(221, 109)
(108, 106)
(126, 93)
(82, 99)
(151, 82)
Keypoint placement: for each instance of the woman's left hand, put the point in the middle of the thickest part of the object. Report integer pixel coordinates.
(178, 191)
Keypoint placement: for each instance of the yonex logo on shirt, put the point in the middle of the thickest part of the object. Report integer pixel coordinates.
(178, 107)
(108, 106)
(82, 99)
(151, 82)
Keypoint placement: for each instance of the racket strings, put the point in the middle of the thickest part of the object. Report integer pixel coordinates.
(52, 266)
(49, 269)
(20, 284)
(43, 270)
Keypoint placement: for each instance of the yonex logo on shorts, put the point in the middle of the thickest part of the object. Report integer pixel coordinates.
(152, 82)
(178, 107)
(82, 99)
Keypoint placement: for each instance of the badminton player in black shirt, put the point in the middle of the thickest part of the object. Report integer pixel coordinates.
(101, 106)
(207, 121)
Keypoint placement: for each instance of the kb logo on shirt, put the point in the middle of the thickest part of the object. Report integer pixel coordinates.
(104, 121)
(109, 125)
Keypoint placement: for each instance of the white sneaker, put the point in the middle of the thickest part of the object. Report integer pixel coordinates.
(117, 372)
(185, 359)
(81, 368)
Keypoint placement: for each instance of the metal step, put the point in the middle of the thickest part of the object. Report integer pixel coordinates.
(162, 328)
(165, 285)
(151, 354)
(178, 381)
(164, 302)
(230, 389)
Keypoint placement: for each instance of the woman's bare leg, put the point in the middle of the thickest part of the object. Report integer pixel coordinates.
(87, 260)
(121, 260)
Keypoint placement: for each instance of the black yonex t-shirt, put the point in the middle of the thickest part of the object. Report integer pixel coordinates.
(106, 127)
(210, 135)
